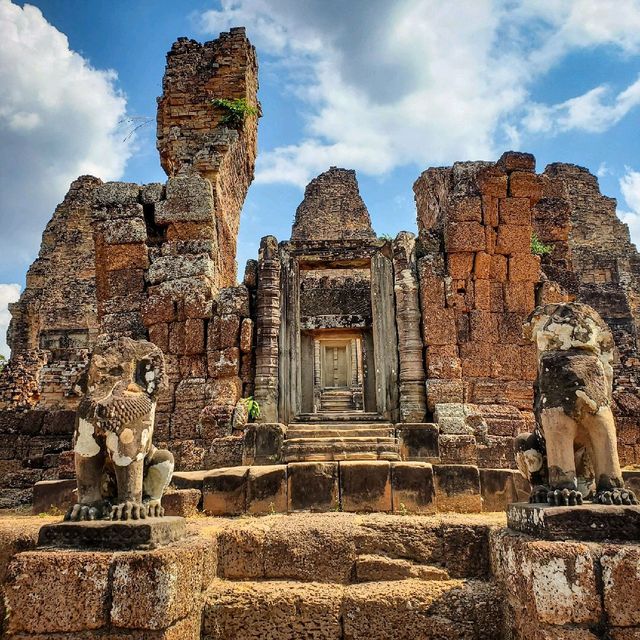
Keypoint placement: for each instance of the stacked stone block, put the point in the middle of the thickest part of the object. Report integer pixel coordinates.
(477, 286)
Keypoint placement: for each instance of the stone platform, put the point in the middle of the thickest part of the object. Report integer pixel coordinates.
(110, 535)
(588, 522)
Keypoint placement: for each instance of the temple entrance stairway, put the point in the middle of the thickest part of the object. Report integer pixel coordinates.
(343, 576)
(340, 436)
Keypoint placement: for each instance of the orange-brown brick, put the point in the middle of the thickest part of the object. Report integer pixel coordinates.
(459, 265)
(524, 267)
(513, 239)
(464, 236)
(498, 269)
(482, 266)
(519, 297)
(159, 335)
(438, 326)
(194, 336)
(476, 359)
(482, 294)
(490, 239)
(506, 364)
(523, 184)
(528, 362)
(122, 256)
(484, 326)
(466, 209)
(431, 285)
(443, 362)
(490, 211)
(515, 211)
(492, 181)
(497, 297)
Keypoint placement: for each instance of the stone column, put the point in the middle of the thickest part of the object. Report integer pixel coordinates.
(268, 329)
(413, 399)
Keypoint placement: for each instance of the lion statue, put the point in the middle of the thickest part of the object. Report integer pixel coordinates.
(574, 446)
(121, 474)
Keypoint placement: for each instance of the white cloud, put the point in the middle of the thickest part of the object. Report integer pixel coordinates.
(8, 293)
(603, 170)
(630, 188)
(592, 112)
(59, 118)
(385, 84)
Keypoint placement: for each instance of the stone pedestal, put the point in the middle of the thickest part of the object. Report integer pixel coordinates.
(110, 535)
(588, 522)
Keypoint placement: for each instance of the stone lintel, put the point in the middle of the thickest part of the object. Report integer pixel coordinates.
(589, 522)
(107, 534)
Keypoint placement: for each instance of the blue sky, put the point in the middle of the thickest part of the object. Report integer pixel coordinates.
(386, 87)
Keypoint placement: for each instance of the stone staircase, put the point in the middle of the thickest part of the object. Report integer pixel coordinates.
(339, 578)
(336, 400)
(340, 437)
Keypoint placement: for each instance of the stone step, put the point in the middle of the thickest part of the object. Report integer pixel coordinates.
(402, 609)
(340, 448)
(327, 547)
(339, 431)
(374, 568)
(346, 416)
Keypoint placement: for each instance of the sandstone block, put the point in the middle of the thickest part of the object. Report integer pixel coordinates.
(460, 265)
(152, 192)
(418, 441)
(513, 239)
(234, 300)
(516, 161)
(524, 184)
(443, 362)
(464, 237)
(152, 590)
(457, 488)
(516, 211)
(267, 489)
(263, 443)
(492, 182)
(501, 487)
(444, 391)
(498, 269)
(365, 485)
(122, 256)
(482, 266)
(49, 495)
(458, 448)
(312, 486)
(224, 363)
(188, 199)
(524, 268)
(224, 491)
(181, 502)
(465, 209)
(438, 326)
(40, 585)
(490, 210)
(412, 487)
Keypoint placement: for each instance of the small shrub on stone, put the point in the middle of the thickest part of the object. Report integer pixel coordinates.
(538, 248)
(235, 110)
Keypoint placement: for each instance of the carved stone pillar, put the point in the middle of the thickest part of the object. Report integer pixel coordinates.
(268, 329)
(413, 400)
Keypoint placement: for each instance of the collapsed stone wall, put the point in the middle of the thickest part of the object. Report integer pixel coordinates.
(54, 323)
(477, 286)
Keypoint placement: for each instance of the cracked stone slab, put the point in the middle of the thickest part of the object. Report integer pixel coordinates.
(108, 534)
(589, 522)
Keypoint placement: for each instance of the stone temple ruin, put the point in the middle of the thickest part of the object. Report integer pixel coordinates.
(392, 376)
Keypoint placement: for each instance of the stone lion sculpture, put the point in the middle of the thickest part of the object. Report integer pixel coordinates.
(121, 474)
(576, 437)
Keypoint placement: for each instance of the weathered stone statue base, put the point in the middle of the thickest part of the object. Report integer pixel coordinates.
(113, 535)
(587, 522)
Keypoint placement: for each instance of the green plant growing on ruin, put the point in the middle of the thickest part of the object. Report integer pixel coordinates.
(538, 248)
(3, 363)
(236, 111)
(403, 509)
(385, 236)
(253, 407)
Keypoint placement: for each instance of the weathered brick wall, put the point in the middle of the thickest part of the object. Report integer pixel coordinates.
(192, 138)
(596, 263)
(332, 209)
(477, 286)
